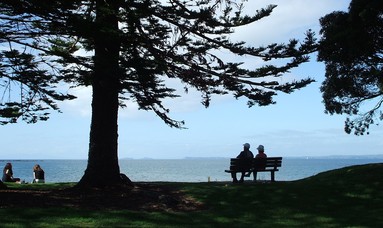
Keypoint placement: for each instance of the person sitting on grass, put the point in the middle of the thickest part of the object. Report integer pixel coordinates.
(38, 174)
(245, 154)
(8, 174)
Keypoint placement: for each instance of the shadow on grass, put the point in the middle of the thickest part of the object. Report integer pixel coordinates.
(347, 197)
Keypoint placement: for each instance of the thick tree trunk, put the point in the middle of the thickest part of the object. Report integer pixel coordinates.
(103, 169)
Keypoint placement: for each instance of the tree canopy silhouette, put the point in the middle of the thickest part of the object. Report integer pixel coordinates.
(352, 49)
(128, 50)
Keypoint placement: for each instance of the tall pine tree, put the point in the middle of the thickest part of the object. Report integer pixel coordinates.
(127, 49)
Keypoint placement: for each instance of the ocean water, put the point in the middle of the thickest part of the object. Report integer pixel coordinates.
(181, 170)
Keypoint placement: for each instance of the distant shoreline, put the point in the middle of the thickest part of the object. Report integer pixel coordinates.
(370, 156)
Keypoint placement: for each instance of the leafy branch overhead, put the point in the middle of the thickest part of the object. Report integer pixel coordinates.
(54, 42)
(352, 49)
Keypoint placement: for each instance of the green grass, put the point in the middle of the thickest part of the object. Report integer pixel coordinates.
(347, 197)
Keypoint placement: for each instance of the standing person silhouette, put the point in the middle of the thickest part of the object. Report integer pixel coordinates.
(245, 154)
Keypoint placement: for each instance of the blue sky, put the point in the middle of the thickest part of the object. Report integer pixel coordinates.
(295, 126)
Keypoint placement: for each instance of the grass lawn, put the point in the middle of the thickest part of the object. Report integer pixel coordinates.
(347, 197)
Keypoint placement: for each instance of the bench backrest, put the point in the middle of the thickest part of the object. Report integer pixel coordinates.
(269, 163)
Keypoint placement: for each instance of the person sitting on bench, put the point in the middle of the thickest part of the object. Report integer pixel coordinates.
(245, 154)
(260, 160)
(261, 152)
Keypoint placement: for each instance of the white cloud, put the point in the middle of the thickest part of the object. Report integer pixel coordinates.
(290, 19)
(80, 106)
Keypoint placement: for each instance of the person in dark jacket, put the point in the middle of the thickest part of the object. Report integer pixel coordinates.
(38, 174)
(245, 154)
(8, 174)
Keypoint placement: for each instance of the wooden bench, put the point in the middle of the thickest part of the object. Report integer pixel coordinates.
(255, 165)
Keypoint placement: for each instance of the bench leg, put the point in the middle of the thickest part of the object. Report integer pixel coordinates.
(255, 175)
(272, 176)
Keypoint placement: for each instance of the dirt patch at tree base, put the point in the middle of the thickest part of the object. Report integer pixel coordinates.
(141, 197)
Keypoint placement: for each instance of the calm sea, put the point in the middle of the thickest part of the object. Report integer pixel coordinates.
(181, 170)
